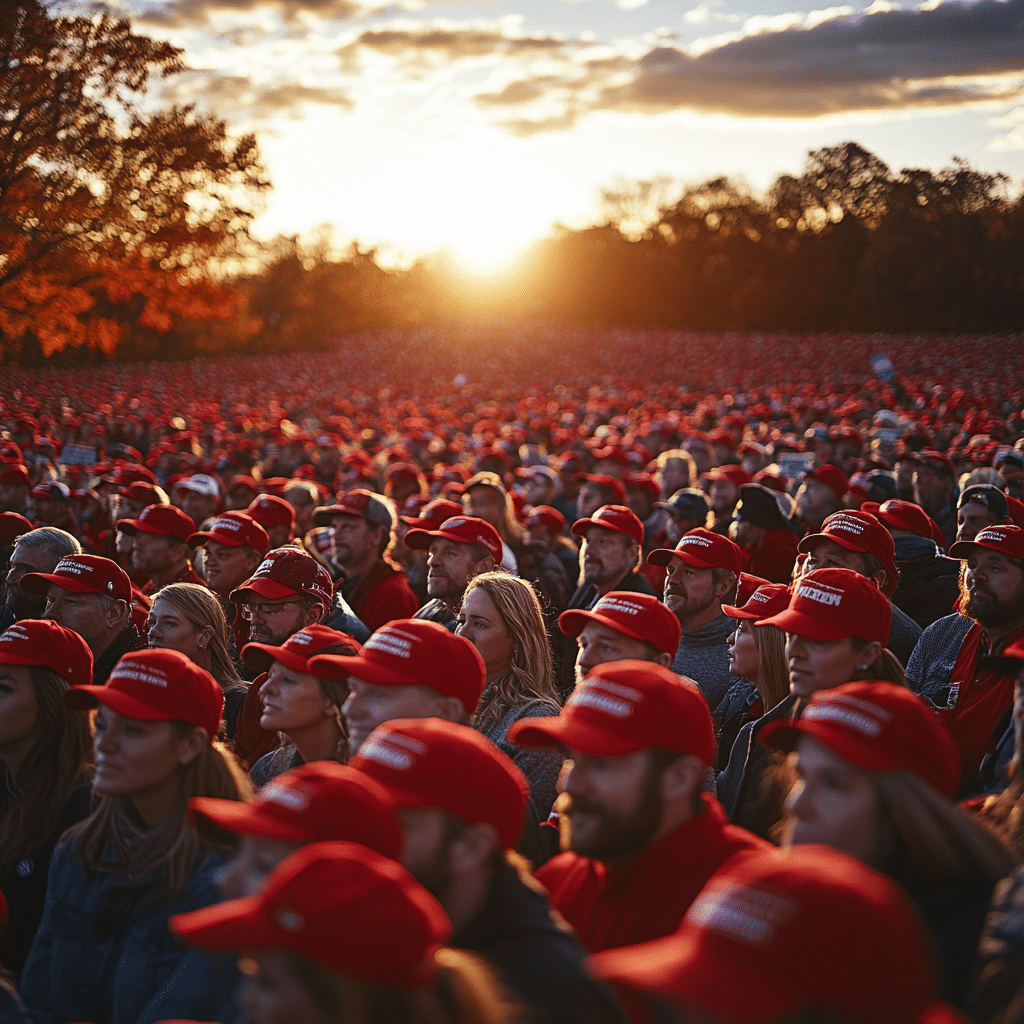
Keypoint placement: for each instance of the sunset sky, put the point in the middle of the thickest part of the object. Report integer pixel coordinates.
(477, 125)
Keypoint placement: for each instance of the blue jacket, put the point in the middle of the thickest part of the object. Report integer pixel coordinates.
(104, 952)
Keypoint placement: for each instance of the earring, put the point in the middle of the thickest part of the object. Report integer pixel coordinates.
(862, 668)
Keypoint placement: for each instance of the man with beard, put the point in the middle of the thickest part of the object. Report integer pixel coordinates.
(819, 495)
(92, 596)
(640, 837)
(159, 547)
(703, 570)
(460, 549)
(979, 507)
(34, 551)
(462, 802)
(935, 489)
(362, 537)
(609, 555)
(975, 701)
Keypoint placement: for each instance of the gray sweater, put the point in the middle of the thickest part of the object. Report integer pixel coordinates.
(703, 655)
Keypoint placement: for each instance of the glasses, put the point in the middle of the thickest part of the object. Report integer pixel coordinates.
(267, 607)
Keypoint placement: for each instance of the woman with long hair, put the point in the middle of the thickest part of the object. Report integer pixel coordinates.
(875, 776)
(837, 622)
(304, 708)
(103, 951)
(188, 618)
(342, 935)
(501, 617)
(45, 786)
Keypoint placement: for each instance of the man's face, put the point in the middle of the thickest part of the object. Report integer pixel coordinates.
(993, 588)
(972, 519)
(724, 495)
(449, 568)
(613, 805)
(84, 614)
(369, 705)
(673, 476)
(227, 567)
(827, 554)
(300, 500)
(538, 490)
(152, 552)
(23, 560)
(484, 503)
(815, 502)
(50, 511)
(198, 506)
(599, 643)
(1013, 481)
(426, 848)
(589, 500)
(13, 497)
(353, 540)
(272, 622)
(606, 556)
(932, 489)
(689, 591)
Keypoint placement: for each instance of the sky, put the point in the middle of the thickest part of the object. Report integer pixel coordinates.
(475, 126)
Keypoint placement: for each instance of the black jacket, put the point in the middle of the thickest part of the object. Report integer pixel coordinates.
(542, 963)
(929, 581)
(125, 641)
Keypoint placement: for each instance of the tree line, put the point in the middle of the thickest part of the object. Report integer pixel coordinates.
(125, 234)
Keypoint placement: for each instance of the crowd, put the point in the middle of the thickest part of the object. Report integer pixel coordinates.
(458, 702)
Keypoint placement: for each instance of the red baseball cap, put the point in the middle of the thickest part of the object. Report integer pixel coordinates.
(374, 508)
(433, 514)
(13, 474)
(234, 529)
(156, 685)
(316, 802)
(858, 531)
(412, 652)
(51, 489)
(905, 515)
(545, 515)
(461, 529)
(612, 517)
(43, 642)
(767, 600)
(602, 479)
(162, 520)
(780, 932)
(938, 461)
(831, 476)
(428, 762)
(734, 474)
(287, 572)
(622, 707)
(341, 905)
(13, 525)
(271, 510)
(82, 574)
(296, 651)
(640, 616)
(828, 604)
(702, 549)
(878, 727)
(746, 586)
(1007, 540)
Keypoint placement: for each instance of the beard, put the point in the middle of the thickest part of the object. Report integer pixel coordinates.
(984, 607)
(22, 604)
(686, 607)
(618, 835)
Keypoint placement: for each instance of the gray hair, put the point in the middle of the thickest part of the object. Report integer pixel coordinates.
(57, 543)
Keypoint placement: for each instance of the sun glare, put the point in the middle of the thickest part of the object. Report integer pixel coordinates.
(486, 253)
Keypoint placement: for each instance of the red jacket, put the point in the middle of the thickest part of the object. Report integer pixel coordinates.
(646, 897)
(252, 741)
(381, 595)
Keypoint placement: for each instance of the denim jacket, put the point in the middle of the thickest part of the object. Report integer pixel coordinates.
(104, 952)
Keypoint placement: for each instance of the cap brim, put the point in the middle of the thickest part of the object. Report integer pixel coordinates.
(260, 657)
(664, 556)
(39, 583)
(963, 548)
(735, 612)
(228, 540)
(85, 698)
(132, 526)
(264, 587)
(341, 666)
(785, 734)
(801, 624)
(233, 924)
(559, 731)
(578, 617)
(246, 819)
(811, 541)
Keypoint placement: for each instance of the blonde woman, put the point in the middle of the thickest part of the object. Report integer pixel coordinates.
(501, 617)
(188, 618)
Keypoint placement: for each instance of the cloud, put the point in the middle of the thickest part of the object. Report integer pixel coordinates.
(803, 66)
(258, 101)
(180, 14)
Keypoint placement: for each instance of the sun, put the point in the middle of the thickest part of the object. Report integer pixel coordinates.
(486, 250)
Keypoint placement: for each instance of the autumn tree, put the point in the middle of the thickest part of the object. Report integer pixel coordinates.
(111, 211)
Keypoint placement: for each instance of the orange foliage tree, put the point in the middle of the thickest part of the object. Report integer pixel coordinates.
(105, 203)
